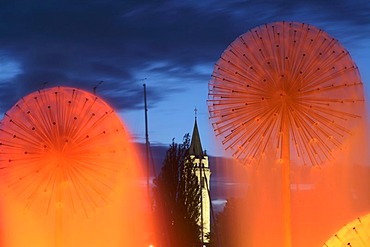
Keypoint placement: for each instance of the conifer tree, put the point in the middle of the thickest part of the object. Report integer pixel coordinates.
(177, 197)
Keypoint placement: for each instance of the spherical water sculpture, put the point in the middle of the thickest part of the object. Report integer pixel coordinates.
(285, 82)
(355, 233)
(61, 148)
(287, 88)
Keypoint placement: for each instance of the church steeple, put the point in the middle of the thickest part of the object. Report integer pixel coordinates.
(195, 145)
(203, 173)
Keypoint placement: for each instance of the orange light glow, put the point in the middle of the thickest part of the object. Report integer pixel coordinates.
(70, 174)
(284, 92)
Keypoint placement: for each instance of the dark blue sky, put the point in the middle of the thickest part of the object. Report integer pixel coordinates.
(174, 44)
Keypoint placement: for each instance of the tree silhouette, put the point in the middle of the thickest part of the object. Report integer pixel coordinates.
(177, 197)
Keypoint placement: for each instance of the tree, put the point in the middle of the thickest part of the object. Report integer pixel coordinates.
(177, 197)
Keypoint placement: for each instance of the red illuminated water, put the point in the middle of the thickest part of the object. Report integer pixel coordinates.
(70, 175)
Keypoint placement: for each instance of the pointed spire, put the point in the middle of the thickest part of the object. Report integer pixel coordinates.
(195, 145)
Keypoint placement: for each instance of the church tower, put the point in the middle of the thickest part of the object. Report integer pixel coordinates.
(203, 173)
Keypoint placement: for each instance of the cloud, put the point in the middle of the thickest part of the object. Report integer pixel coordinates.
(121, 42)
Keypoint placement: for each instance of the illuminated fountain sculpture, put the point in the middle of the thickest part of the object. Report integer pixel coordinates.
(65, 156)
(287, 87)
(354, 234)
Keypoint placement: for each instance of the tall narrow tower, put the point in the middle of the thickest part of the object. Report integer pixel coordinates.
(203, 173)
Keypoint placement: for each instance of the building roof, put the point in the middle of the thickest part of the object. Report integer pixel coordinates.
(195, 145)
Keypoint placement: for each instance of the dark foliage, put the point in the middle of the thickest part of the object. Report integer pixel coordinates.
(177, 198)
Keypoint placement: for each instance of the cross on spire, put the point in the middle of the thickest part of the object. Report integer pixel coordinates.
(195, 112)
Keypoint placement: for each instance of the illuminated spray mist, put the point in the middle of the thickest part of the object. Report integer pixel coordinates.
(291, 91)
(69, 174)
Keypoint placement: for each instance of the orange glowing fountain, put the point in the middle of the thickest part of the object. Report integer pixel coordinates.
(354, 234)
(62, 153)
(287, 87)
